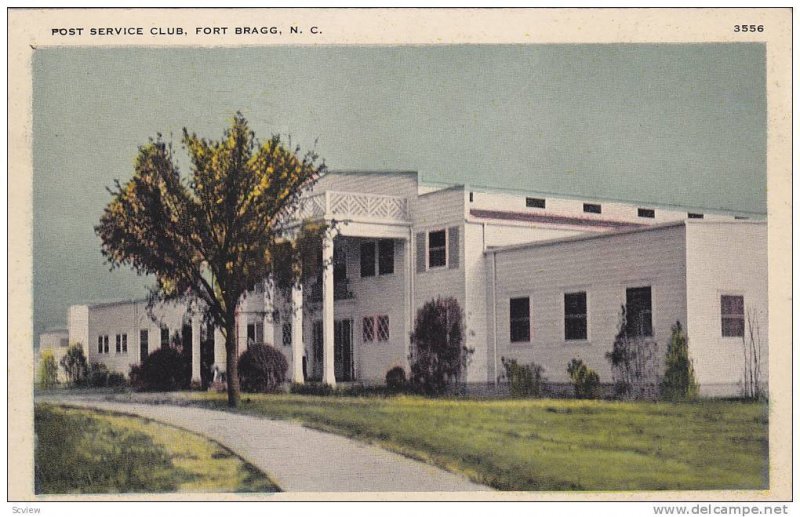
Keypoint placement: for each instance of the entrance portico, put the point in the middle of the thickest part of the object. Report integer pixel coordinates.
(348, 215)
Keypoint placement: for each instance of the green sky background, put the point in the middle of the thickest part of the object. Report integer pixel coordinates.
(662, 124)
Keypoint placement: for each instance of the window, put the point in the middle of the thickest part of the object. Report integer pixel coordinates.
(520, 311)
(592, 208)
(740, 218)
(164, 337)
(124, 343)
(534, 202)
(437, 249)
(251, 334)
(575, 316)
(339, 265)
(732, 309)
(368, 330)
(286, 334)
(471, 198)
(144, 344)
(102, 344)
(385, 257)
(693, 215)
(119, 343)
(647, 212)
(383, 328)
(639, 312)
(367, 259)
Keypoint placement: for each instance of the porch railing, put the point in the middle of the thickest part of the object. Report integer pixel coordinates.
(353, 206)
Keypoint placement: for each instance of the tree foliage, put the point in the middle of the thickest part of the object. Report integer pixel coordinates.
(438, 355)
(678, 382)
(634, 363)
(48, 369)
(210, 235)
(75, 365)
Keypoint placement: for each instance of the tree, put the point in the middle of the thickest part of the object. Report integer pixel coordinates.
(678, 382)
(438, 355)
(74, 364)
(48, 369)
(210, 236)
(633, 362)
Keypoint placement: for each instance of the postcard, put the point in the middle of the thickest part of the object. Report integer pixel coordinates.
(400, 254)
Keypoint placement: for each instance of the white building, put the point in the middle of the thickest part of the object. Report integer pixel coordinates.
(540, 278)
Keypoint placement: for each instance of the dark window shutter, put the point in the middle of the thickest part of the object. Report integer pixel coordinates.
(454, 248)
(421, 252)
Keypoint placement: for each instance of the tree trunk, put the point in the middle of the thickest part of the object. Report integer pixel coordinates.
(232, 360)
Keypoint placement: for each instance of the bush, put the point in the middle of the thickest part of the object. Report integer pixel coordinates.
(678, 382)
(438, 356)
(584, 379)
(525, 380)
(396, 380)
(320, 390)
(97, 376)
(75, 365)
(48, 370)
(634, 364)
(262, 369)
(165, 369)
(116, 380)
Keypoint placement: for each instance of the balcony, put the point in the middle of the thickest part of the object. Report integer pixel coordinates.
(353, 206)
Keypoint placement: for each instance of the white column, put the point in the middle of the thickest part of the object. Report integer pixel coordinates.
(196, 348)
(328, 376)
(297, 334)
(269, 322)
(219, 350)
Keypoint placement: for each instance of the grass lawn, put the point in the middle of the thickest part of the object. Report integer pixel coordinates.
(549, 444)
(86, 451)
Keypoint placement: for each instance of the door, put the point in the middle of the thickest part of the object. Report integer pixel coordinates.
(343, 350)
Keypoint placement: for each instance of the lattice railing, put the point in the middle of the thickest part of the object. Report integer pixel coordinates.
(353, 205)
(312, 207)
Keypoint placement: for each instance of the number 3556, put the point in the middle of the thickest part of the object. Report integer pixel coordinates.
(748, 28)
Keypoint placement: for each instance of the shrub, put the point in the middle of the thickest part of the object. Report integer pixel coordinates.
(584, 379)
(634, 363)
(438, 356)
(48, 370)
(396, 380)
(165, 369)
(262, 369)
(524, 380)
(74, 364)
(320, 390)
(116, 380)
(678, 382)
(97, 376)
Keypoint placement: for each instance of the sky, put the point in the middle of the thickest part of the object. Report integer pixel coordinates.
(661, 124)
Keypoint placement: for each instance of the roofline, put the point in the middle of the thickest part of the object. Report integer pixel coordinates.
(578, 197)
(98, 305)
(446, 189)
(606, 235)
(371, 171)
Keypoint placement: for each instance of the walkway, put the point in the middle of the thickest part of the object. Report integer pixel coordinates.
(296, 458)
